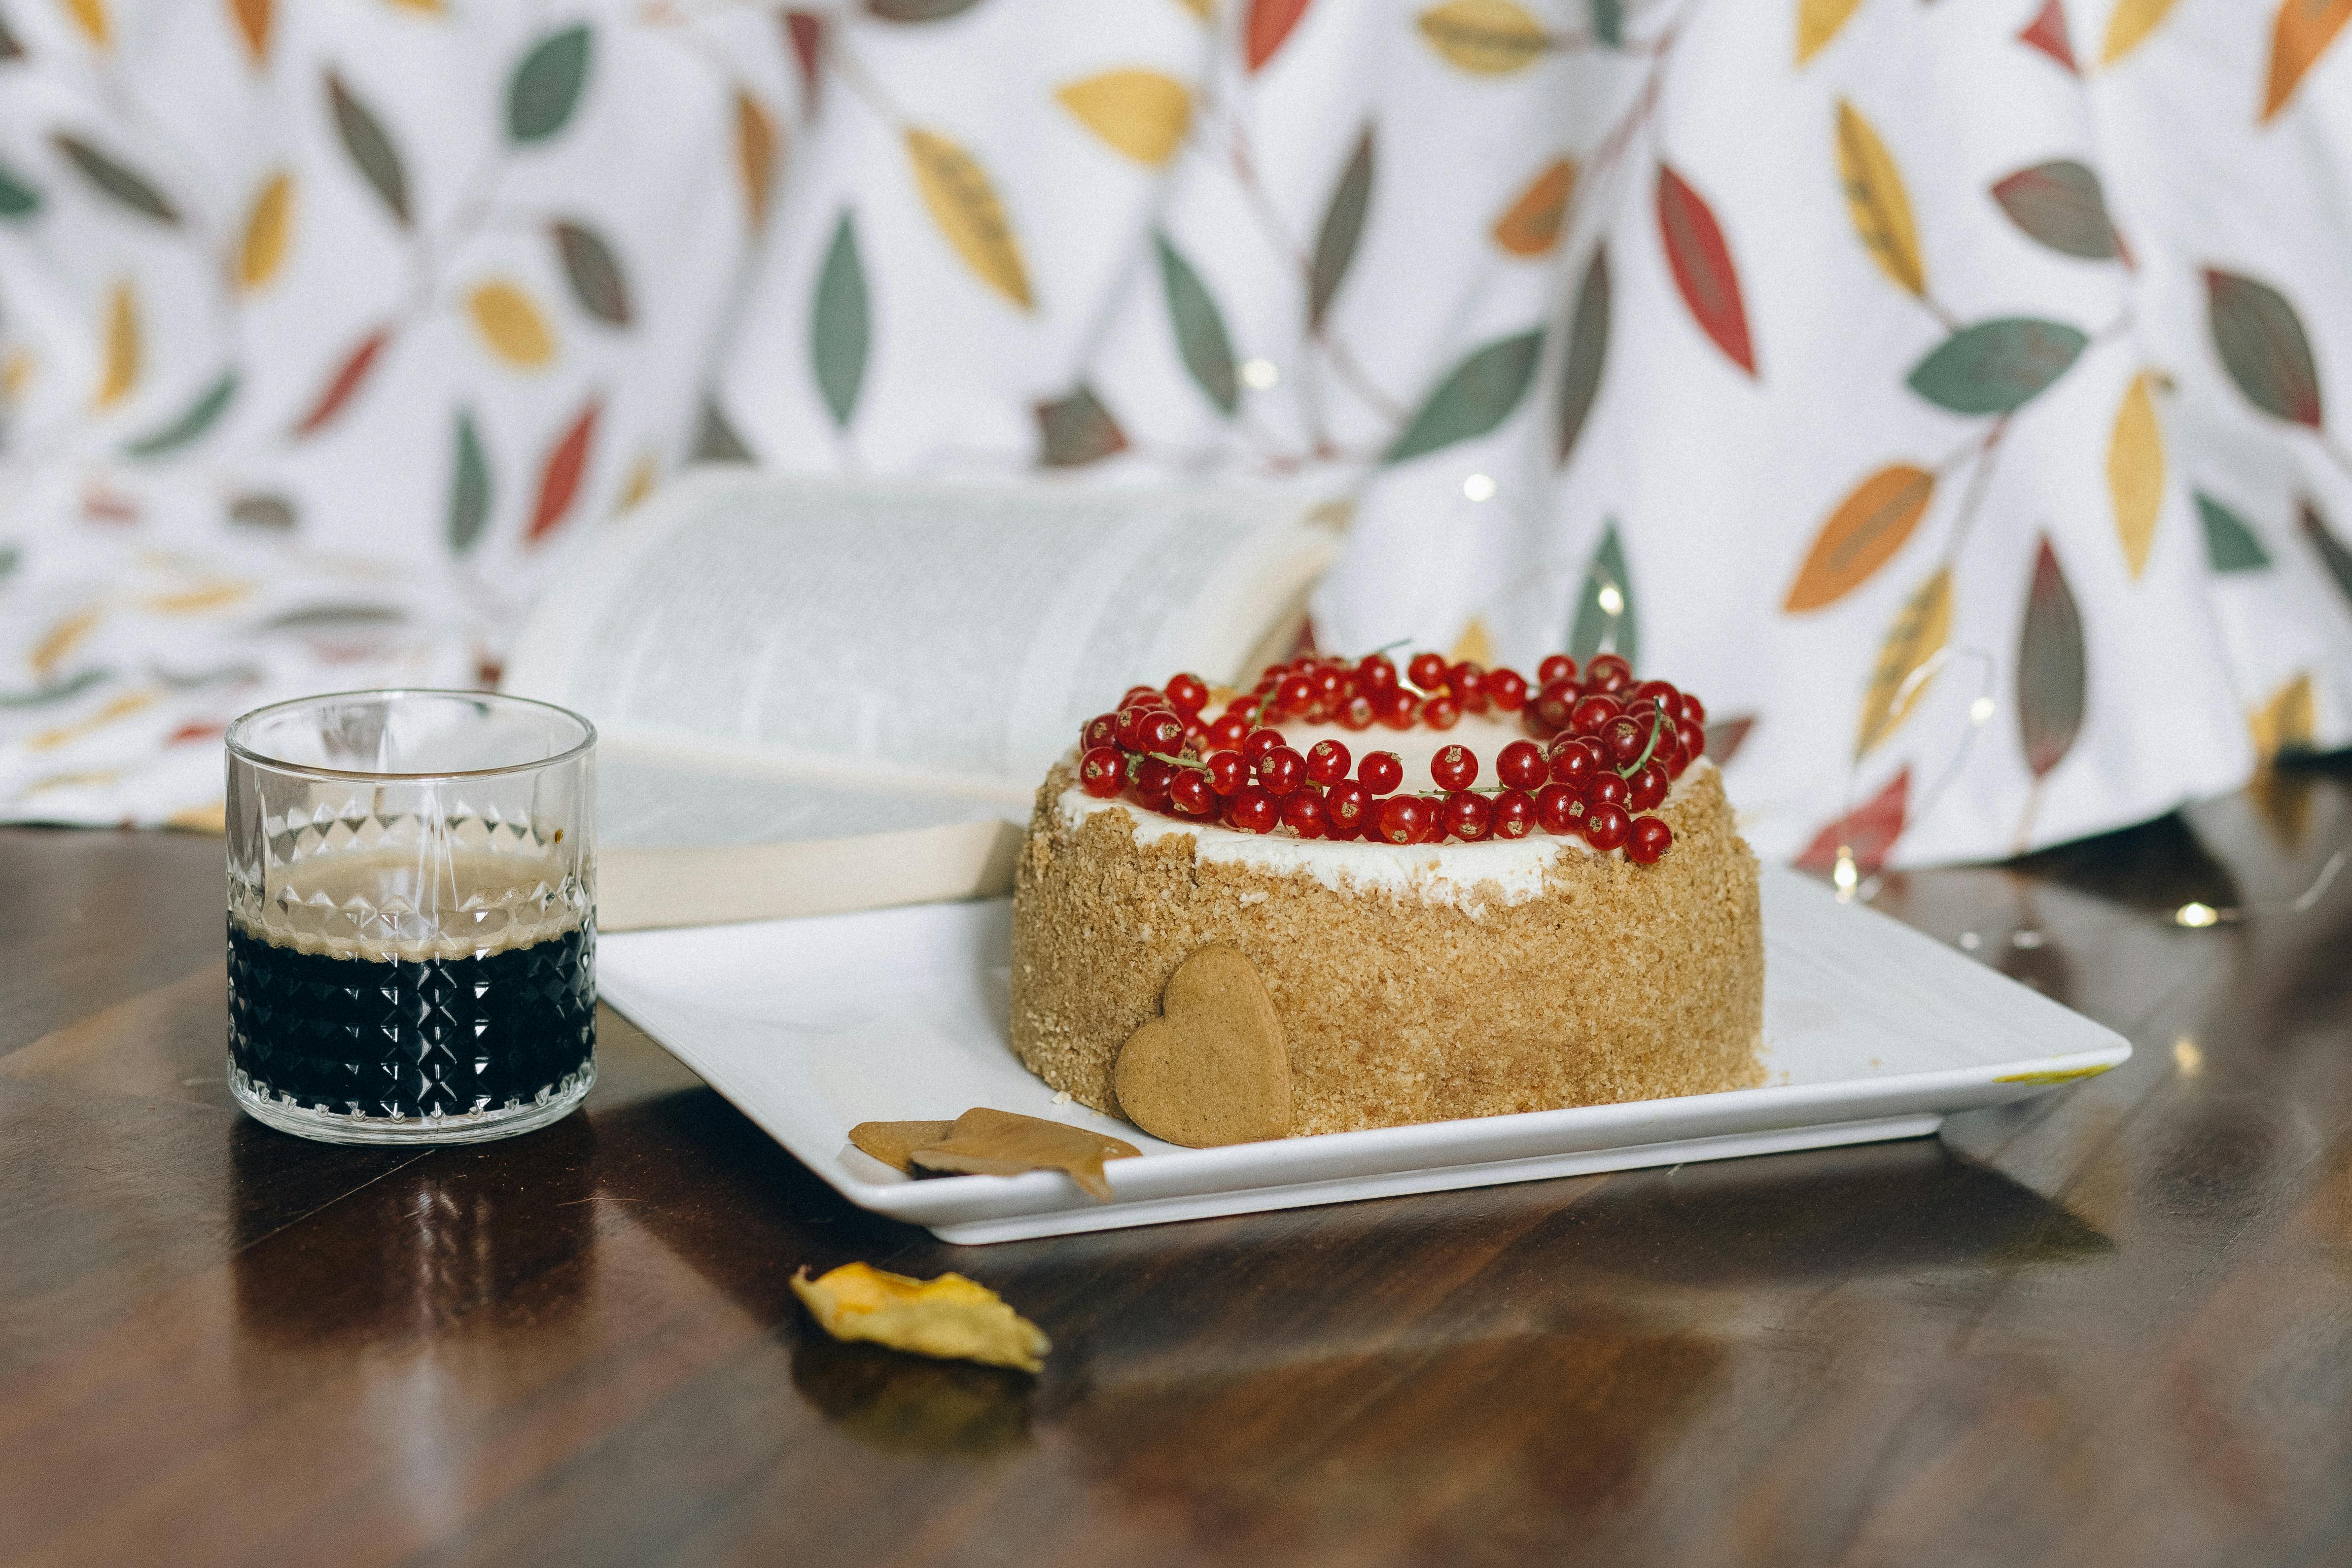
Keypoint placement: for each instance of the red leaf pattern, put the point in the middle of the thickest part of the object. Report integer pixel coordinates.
(1869, 830)
(346, 381)
(1270, 22)
(1703, 269)
(558, 482)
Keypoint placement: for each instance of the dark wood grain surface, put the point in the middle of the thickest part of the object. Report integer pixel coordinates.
(2110, 1327)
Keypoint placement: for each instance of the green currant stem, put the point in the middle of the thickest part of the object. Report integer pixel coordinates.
(1178, 761)
(1657, 723)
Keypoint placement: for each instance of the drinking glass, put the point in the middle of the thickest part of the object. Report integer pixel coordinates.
(412, 915)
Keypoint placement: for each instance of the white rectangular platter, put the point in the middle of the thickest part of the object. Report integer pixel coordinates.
(1872, 1030)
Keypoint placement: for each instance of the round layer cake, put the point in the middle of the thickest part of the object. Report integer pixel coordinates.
(1414, 983)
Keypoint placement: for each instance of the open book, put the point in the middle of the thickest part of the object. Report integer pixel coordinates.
(818, 694)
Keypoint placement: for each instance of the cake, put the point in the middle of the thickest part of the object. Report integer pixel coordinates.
(1564, 915)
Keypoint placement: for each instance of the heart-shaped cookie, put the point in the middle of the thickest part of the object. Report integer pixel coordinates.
(1211, 1068)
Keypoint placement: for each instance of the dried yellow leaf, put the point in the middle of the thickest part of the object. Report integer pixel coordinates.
(1141, 114)
(90, 17)
(951, 1317)
(1818, 22)
(755, 154)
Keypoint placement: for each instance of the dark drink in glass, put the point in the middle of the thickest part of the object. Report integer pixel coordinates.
(411, 920)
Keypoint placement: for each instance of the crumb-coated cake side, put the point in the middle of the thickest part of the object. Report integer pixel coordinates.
(1412, 985)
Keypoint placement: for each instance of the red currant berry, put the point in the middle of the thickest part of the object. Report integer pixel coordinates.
(1357, 713)
(1188, 695)
(1345, 806)
(1128, 720)
(1554, 708)
(1102, 772)
(1608, 672)
(1196, 733)
(1190, 794)
(1669, 755)
(1649, 839)
(1294, 695)
(1380, 772)
(1403, 818)
(1689, 709)
(1143, 696)
(1330, 683)
(1555, 667)
(1607, 790)
(1468, 681)
(1521, 766)
(1605, 827)
(1515, 814)
(1441, 712)
(1259, 743)
(1507, 689)
(1662, 693)
(1576, 762)
(1593, 714)
(1453, 767)
(1398, 708)
(1646, 789)
(1227, 771)
(1328, 761)
(1558, 809)
(1227, 733)
(1281, 771)
(1100, 730)
(1252, 811)
(1303, 814)
(1152, 779)
(1692, 738)
(1625, 740)
(1427, 671)
(1161, 732)
(1375, 674)
(1468, 817)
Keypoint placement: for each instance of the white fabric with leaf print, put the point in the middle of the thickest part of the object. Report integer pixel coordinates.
(1954, 396)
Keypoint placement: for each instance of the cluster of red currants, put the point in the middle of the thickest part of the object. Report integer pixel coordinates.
(1604, 753)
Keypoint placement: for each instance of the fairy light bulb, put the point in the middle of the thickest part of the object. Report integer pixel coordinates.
(1845, 876)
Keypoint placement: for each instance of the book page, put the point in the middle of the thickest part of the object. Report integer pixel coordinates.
(929, 637)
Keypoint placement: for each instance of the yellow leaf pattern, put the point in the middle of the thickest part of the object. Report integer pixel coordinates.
(90, 17)
(119, 707)
(644, 475)
(2287, 721)
(1491, 37)
(755, 154)
(253, 19)
(1531, 225)
(511, 325)
(267, 228)
(2130, 22)
(2135, 472)
(60, 639)
(1473, 644)
(1818, 22)
(16, 374)
(121, 361)
(965, 205)
(1917, 635)
(1141, 114)
(1876, 200)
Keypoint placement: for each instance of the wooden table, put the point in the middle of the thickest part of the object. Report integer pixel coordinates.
(2110, 1327)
